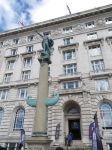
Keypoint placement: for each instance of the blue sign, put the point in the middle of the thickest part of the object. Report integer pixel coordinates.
(57, 131)
(23, 138)
(91, 130)
(75, 125)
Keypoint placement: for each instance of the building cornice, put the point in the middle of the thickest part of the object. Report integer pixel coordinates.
(63, 19)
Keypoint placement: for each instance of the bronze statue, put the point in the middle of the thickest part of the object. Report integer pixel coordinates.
(46, 44)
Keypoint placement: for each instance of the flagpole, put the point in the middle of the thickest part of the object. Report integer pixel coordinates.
(66, 9)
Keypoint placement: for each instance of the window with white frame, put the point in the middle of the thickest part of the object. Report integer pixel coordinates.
(68, 41)
(89, 25)
(25, 75)
(16, 41)
(30, 38)
(48, 34)
(27, 62)
(109, 21)
(3, 94)
(70, 69)
(109, 146)
(22, 93)
(19, 120)
(106, 115)
(70, 85)
(48, 71)
(110, 32)
(29, 49)
(1, 44)
(101, 84)
(92, 36)
(14, 52)
(12, 146)
(69, 55)
(96, 50)
(97, 65)
(67, 30)
(10, 65)
(7, 77)
(1, 116)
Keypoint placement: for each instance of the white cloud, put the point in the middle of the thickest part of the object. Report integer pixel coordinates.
(41, 10)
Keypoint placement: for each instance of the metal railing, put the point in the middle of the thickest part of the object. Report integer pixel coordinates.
(70, 74)
(100, 71)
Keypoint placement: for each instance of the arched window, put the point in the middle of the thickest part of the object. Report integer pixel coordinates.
(73, 110)
(1, 116)
(19, 119)
(106, 115)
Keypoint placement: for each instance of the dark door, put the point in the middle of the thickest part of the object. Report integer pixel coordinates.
(74, 128)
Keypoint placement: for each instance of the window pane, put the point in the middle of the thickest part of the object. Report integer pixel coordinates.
(74, 54)
(101, 85)
(96, 85)
(4, 92)
(1, 115)
(69, 55)
(64, 54)
(70, 85)
(106, 84)
(76, 84)
(64, 85)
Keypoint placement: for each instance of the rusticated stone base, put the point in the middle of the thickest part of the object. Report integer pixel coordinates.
(38, 143)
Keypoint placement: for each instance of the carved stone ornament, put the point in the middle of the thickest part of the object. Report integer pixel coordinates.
(37, 38)
(100, 21)
(22, 40)
(56, 32)
(78, 27)
(7, 43)
(104, 96)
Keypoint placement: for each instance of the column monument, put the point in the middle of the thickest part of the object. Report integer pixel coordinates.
(39, 139)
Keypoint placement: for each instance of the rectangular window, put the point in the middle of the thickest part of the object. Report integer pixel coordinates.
(48, 71)
(25, 75)
(89, 25)
(95, 51)
(3, 94)
(97, 65)
(1, 44)
(70, 69)
(67, 30)
(69, 55)
(70, 85)
(110, 32)
(109, 21)
(10, 65)
(27, 62)
(16, 41)
(68, 41)
(48, 34)
(92, 36)
(7, 77)
(101, 85)
(14, 52)
(29, 49)
(22, 93)
(12, 146)
(30, 38)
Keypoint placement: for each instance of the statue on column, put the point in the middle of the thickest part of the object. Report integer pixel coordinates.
(46, 44)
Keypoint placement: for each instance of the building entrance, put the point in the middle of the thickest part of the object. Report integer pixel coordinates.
(74, 128)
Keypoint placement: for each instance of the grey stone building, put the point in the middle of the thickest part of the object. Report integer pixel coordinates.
(81, 72)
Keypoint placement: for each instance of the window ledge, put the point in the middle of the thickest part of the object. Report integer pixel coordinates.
(68, 47)
(28, 53)
(101, 92)
(94, 42)
(70, 76)
(99, 73)
(17, 55)
(74, 90)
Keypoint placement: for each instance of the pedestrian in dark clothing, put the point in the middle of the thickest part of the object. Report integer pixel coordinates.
(69, 138)
(59, 148)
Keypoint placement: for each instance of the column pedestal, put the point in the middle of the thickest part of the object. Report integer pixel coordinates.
(39, 139)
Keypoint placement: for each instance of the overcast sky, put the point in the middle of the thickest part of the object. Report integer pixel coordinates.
(33, 11)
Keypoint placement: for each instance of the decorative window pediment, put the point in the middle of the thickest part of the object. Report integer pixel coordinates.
(68, 47)
(109, 40)
(93, 42)
(12, 57)
(28, 54)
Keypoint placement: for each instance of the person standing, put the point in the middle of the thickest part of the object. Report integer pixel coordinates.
(69, 139)
(65, 140)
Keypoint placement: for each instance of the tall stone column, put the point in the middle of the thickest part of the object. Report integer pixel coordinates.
(39, 139)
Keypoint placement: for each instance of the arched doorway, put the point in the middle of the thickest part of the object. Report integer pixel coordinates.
(72, 119)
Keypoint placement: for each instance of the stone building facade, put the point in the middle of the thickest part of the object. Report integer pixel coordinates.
(81, 72)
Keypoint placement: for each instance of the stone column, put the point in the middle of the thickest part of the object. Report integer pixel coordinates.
(39, 139)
